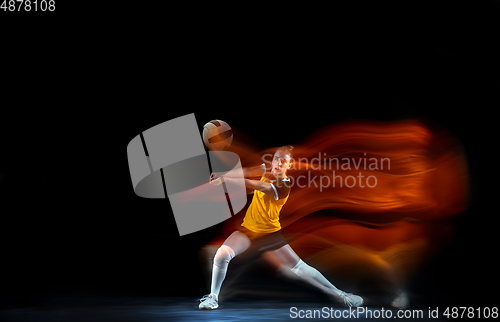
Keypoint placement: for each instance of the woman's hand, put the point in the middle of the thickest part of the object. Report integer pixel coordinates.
(215, 179)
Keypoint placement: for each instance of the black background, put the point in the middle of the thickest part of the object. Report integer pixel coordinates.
(71, 222)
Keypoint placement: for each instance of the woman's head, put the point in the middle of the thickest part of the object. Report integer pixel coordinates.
(282, 161)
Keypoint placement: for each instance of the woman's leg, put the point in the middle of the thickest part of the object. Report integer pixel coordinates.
(292, 261)
(234, 245)
(287, 257)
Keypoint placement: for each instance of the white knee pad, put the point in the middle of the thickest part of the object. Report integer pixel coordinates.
(311, 274)
(223, 256)
(301, 268)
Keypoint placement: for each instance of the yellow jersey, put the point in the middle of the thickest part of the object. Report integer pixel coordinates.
(262, 215)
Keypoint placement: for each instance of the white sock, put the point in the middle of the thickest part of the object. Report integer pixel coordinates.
(221, 261)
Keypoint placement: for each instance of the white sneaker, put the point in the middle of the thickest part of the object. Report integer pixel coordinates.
(350, 299)
(208, 302)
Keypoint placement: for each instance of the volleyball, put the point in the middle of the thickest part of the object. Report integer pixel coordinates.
(217, 135)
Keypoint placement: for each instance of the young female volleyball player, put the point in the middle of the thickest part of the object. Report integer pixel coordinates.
(261, 227)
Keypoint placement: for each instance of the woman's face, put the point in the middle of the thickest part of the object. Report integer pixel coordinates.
(281, 163)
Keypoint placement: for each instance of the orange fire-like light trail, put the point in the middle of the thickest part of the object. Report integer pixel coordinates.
(370, 198)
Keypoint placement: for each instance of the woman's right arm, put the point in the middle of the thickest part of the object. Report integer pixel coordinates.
(247, 172)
